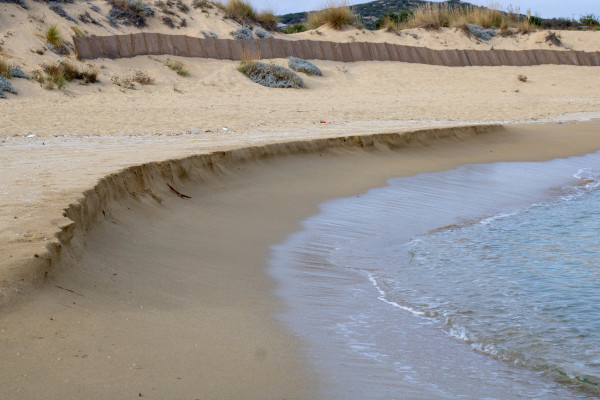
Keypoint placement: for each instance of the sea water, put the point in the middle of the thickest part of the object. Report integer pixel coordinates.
(480, 282)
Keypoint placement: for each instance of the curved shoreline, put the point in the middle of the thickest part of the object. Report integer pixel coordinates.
(137, 181)
(138, 274)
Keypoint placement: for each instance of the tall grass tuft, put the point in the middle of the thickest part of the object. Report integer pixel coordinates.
(337, 14)
(239, 11)
(53, 36)
(267, 19)
(5, 68)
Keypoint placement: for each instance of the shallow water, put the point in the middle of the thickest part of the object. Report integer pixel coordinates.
(480, 282)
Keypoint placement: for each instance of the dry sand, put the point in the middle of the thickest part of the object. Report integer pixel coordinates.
(170, 299)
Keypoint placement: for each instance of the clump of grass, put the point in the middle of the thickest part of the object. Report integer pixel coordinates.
(267, 19)
(53, 36)
(239, 11)
(270, 75)
(392, 21)
(142, 78)
(296, 28)
(130, 12)
(202, 4)
(522, 78)
(434, 16)
(336, 14)
(178, 67)
(61, 73)
(300, 65)
(5, 68)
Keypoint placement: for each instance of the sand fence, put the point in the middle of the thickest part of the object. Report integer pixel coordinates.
(136, 44)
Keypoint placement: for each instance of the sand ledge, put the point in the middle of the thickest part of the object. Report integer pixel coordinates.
(149, 182)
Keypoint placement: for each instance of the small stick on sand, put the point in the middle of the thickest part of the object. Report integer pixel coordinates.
(183, 196)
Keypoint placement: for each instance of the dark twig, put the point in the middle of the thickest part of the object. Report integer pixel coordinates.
(69, 290)
(183, 196)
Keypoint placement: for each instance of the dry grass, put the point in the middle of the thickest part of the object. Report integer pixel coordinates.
(267, 19)
(522, 78)
(4, 68)
(336, 14)
(61, 73)
(436, 16)
(239, 10)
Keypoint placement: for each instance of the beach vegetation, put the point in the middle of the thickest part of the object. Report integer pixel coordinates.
(5, 68)
(392, 21)
(6, 86)
(300, 65)
(178, 67)
(267, 19)
(130, 12)
(295, 28)
(262, 34)
(522, 78)
(53, 36)
(434, 16)
(239, 11)
(270, 75)
(201, 4)
(243, 33)
(589, 20)
(336, 14)
(62, 72)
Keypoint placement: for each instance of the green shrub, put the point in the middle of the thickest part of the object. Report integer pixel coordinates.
(178, 67)
(54, 37)
(296, 28)
(589, 20)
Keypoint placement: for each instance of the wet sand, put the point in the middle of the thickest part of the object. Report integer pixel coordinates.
(153, 294)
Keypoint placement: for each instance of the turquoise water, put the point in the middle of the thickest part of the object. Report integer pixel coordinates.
(481, 282)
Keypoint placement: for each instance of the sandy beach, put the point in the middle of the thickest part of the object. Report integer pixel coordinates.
(135, 225)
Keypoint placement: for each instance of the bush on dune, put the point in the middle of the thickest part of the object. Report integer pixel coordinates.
(270, 75)
(300, 65)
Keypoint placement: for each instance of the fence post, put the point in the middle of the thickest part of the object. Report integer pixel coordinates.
(216, 49)
(102, 45)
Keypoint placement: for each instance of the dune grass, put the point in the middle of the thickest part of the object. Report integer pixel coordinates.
(336, 14)
(62, 72)
(5, 68)
(53, 36)
(435, 16)
(178, 67)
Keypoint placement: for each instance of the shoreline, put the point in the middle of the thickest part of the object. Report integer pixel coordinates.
(233, 203)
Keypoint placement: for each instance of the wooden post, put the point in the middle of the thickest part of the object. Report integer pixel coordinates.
(187, 46)
(118, 46)
(102, 45)
(145, 43)
(216, 49)
(89, 40)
